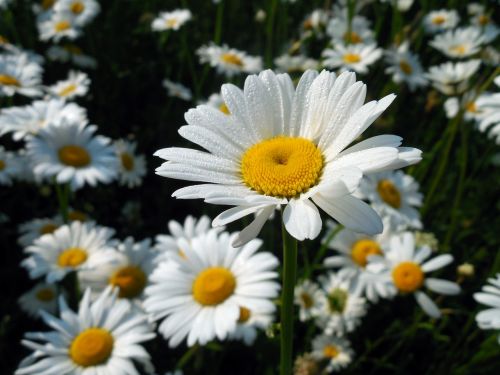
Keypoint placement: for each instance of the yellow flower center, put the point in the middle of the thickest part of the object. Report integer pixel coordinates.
(68, 90)
(45, 295)
(483, 20)
(459, 49)
(7, 80)
(282, 166)
(471, 107)
(362, 249)
(244, 315)
(337, 300)
(62, 25)
(127, 161)
(172, 22)
(3, 40)
(48, 228)
(74, 156)
(438, 20)
(77, 216)
(213, 286)
(47, 4)
(307, 300)
(2, 165)
(130, 279)
(408, 277)
(231, 58)
(77, 7)
(330, 351)
(405, 67)
(91, 347)
(223, 108)
(72, 257)
(389, 193)
(351, 58)
(353, 38)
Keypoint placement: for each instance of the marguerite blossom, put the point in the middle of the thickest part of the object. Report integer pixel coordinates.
(355, 57)
(405, 67)
(10, 168)
(171, 20)
(83, 11)
(250, 322)
(459, 43)
(19, 75)
(216, 101)
(335, 351)
(361, 33)
(77, 84)
(58, 25)
(294, 64)
(31, 230)
(308, 296)
(439, 20)
(132, 165)
(72, 53)
(490, 296)
(452, 78)
(42, 296)
(177, 90)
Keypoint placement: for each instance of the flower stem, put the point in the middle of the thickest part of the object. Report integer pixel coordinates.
(289, 276)
(63, 198)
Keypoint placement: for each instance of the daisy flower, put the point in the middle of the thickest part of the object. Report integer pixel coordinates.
(19, 75)
(452, 78)
(9, 167)
(338, 27)
(459, 43)
(28, 120)
(83, 11)
(307, 296)
(216, 101)
(104, 337)
(249, 322)
(355, 57)
(73, 154)
(294, 64)
(204, 293)
(31, 230)
(404, 270)
(71, 247)
(335, 351)
(171, 20)
(475, 107)
(402, 5)
(71, 53)
(77, 84)
(405, 67)
(315, 22)
(41, 297)
(229, 61)
(489, 105)
(394, 195)
(132, 165)
(275, 150)
(341, 307)
(440, 20)
(58, 25)
(177, 90)
(490, 296)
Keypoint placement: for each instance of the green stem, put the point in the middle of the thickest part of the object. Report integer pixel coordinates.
(62, 192)
(270, 33)
(218, 23)
(289, 276)
(351, 7)
(186, 357)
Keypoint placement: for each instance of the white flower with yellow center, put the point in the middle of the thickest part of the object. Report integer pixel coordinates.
(338, 27)
(250, 322)
(394, 195)
(132, 165)
(490, 296)
(171, 20)
(282, 147)
(71, 53)
(341, 306)
(77, 84)
(31, 230)
(177, 90)
(229, 61)
(55, 26)
(42, 296)
(489, 105)
(69, 248)
(73, 154)
(10, 167)
(440, 20)
(357, 57)
(103, 338)
(204, 293)
(28, 120)
(404, 270)
(335, 351)
(216, 101)
(405, 67)
(83, 11)
(20, 75)
(452, 78)
(475, 107)
(307, 296)
(459, 43)
(294, 64)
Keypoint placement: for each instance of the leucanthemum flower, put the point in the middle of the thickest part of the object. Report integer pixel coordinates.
(171, 20)
(337, 29)
(440, 20)
(459, 43)
(489, 105)
(31, 230)
(216, 101)
(335, 351)
(294, 64)
(55, 26)
(204, 293)
(475, 107)
(104, 337)
(315, 22)
(490, 296)
(28, 120)
(276, 150)
(452, 78)
(229, 61)
(42, 296)
(77, 84)
(73, 154)
(83, 11)
(177, 90)
(71, 247)
(71, 53)
(250, 322)
(405, 67)
(19, 75)
(307, 296)
(357, 57)
(9, 167)
(404, 270)
(132, 165)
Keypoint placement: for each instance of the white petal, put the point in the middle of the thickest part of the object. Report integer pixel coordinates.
(437, 262)
(302, 219)
(427, 305)
(442, 286)
(253, 229)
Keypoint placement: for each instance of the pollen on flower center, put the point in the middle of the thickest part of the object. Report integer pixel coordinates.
(45, 295)
(352, 37)
(2, 165)
(351, 58)
(438, 20)
(282, 166)
(72, 257)
(68, 90)
(172, 22)
(337, 300)
(307, 300)
(7, 80)
(127, 161)
(459, 49)
(213, 286)
(408, 277)
(389, 193)
(362, 249)
(74, 156)
(471, 107)
(405, 67)
(48, 228)
(47, 4)
(130, 279)
(330, 351)
(91, 347)
(483, 20)
(231, 58)
(244, 315)
(62, 25)
(77, 7)
(223, 108)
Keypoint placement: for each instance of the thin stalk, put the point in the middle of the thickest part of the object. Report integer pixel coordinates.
(186, 357)
(62, 192)
(289, 276)
(218, 23)
(351, 8)
(270, 32)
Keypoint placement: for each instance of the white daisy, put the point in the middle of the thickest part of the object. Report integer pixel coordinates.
(132, 165)
(439, 20)
(489, 105)
(307, 296)
(9, 167)
(216, 101)
(200, 294)
(71, 53)
(19, 75)
(229, 61)
(73, 154)
(490, 296)
(402, 5)
(405, 67)
(69, 248)
(103, 338)
(355, 57)
(57, 25)
(294, 64)
(83, 11)
(31, 230)
(42, 296)
(475, 108)
(249, 322)
(77, 84)
(336, 351)
(315, 22)
(177, 90)
(394, 195)
(459, 43)
(171, 20)
(452, 78)
(404, 269)
(28, 120)
(361, 33)
(277, 150)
